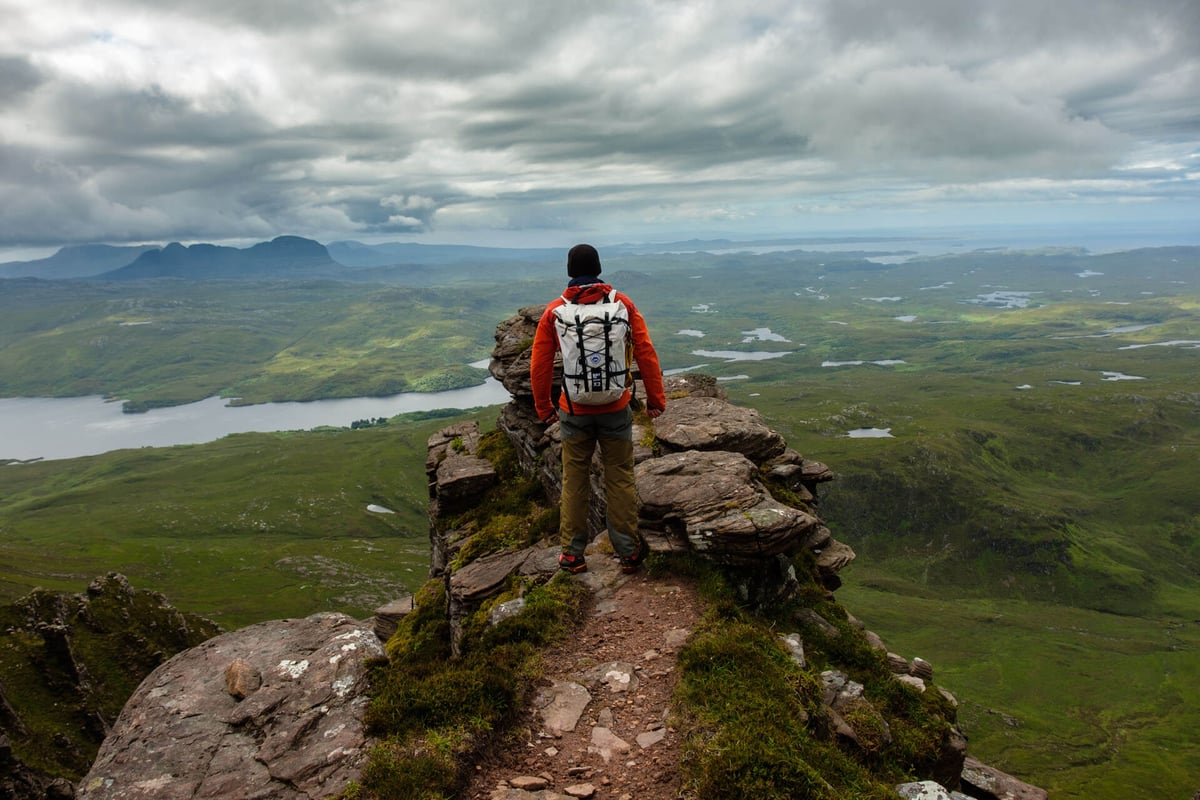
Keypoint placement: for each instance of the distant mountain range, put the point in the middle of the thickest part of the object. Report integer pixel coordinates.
(76, 261)
(294, 257)
(282, 257)
(297, 257)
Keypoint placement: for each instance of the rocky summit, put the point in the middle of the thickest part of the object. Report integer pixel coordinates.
(715, 481)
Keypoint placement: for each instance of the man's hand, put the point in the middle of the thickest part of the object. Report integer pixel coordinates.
(653, 412)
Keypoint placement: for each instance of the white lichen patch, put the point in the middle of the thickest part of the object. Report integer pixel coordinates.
(293, 669)
(616, 677)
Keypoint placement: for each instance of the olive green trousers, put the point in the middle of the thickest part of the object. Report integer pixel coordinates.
(581, 433)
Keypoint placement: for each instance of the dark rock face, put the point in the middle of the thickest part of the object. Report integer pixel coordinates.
(510, 357)
(273, 710)
(18, 781)
(77, 658)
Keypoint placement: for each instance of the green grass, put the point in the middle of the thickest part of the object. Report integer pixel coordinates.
(434, 714)
(247, 528)
(1082, 703)
(174, 342)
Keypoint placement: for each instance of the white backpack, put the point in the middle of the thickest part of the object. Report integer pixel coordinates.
(595, 342)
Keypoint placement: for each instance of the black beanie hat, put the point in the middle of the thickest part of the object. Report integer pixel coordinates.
(582, 259)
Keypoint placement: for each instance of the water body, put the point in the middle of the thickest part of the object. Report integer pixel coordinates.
(870, 433)
(738, 355)
(50, 428)
(887, 362)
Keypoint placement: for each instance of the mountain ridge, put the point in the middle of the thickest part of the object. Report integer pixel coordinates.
(283, 256)
(426, 264)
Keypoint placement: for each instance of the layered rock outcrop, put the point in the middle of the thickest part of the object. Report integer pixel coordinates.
(705, 472)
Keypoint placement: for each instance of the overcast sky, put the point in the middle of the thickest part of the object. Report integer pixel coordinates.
(547, 121)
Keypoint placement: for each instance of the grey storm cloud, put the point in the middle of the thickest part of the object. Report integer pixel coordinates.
(132, 120)
(17, 76)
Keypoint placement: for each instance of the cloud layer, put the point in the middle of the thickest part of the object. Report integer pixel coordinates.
(154, 120)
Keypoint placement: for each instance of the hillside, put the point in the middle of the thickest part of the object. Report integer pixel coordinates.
(68, 663)
(78, 261)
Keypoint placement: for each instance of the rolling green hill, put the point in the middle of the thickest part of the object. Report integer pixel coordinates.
(248, 528)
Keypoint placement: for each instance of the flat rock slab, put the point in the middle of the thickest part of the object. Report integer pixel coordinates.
(990, 782)
(562, 705)
(484, 577)
(297, 735)
(711, 423)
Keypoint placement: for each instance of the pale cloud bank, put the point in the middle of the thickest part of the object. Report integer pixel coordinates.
(152, 120)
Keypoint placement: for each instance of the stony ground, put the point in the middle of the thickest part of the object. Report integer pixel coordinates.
(599, 725)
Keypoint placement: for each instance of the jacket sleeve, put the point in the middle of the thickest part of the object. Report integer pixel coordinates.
(541, 363)
(646, 357)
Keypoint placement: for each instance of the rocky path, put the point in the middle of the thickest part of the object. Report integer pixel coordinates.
(599, 724)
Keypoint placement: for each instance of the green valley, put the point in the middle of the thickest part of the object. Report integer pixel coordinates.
(1015, 438)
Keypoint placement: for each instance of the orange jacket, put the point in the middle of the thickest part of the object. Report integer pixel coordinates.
(545, 347)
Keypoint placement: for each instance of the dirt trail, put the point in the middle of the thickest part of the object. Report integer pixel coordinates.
(620, 746)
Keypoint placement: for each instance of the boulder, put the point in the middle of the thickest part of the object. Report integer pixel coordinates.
(462, 480)
(924, 790)
(461, 438)
(922, 669)
(486, 577)
(710, 423)
(186, 734)
(388, 616)
(988, 783)
(832, 557)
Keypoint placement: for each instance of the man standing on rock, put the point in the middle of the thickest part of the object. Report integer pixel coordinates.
(596, 329)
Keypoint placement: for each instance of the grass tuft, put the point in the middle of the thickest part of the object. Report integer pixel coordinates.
(435, 713)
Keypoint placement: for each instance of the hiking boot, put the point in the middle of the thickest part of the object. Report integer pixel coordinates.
(572, 564)
(631, 563)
